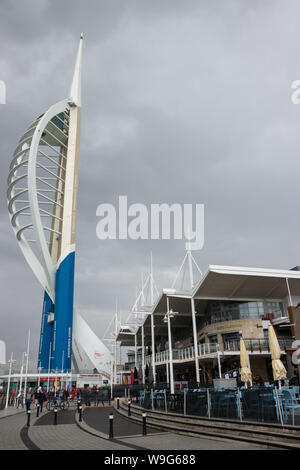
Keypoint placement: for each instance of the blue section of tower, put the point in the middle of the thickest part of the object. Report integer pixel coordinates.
(46, 337)
(63, 314)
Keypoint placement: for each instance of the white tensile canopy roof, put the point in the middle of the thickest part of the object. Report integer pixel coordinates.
(221, 282)
(227, 282)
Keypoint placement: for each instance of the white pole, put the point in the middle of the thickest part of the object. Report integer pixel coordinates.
(289, 292)
(135, 350)
(39, 376)
(172, 390)
(195, 339)
(219, 361)
(167, 369)
(189, 254)
(153, 348)
(143, 354)
(62, 368)
(55, 380)
(111, 376)
(151, 280)
(27, 361)
(21, 372)
(116, 361)
(8, 385)
(49, 365)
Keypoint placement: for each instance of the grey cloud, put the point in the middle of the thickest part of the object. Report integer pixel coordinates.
(182, 102)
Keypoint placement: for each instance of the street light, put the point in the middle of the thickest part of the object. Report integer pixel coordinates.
(26, 369)
(11, 362)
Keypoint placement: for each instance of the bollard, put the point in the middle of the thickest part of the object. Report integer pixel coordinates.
(55, 414)
(28, 417)
(111, 426)
(37, 410)
(80, 412)
(144, 424)
(129, 407)
(78, 405)
(118, 403)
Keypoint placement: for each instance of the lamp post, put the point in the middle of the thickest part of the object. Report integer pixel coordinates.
(11, 362)
(26, 369)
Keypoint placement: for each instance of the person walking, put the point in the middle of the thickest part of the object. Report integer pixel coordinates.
(28, 399)
(41, 398)
(20, 398)
(88, 395)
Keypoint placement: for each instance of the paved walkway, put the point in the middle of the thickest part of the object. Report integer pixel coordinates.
(11, 411)
(98, 418)
(66, 435)
(69, 437)
(10, 429)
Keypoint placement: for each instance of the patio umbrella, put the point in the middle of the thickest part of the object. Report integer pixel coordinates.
(279, 371)
(131, 378)
(126, 380)
(244, 360)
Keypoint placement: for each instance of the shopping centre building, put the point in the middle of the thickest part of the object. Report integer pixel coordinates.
(195, 334)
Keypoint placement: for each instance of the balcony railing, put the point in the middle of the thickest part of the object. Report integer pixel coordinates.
(207, 349)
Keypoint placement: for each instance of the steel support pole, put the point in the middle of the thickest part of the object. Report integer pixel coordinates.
(195, 340)
(27, 360)
(143, 354)
(135, 351)
(8, 384)
(153, 348)
(167, 369)
(172, 389)
(21, 373)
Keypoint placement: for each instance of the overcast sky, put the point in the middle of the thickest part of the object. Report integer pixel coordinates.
(183, 101)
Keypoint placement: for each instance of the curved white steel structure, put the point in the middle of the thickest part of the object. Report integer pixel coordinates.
(36, 189)
(42, 204)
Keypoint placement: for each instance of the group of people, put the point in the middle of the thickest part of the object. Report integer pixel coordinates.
(39, 396)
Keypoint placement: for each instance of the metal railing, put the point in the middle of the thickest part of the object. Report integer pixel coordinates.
(262, 404)
(205, 349)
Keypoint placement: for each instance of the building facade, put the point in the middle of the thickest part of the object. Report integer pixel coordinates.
(197, 333)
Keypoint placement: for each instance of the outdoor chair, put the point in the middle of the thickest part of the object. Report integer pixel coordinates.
(250, 402)
(268, 406)
(290, 404)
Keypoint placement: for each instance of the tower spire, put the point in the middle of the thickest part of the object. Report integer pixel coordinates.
(75, 90)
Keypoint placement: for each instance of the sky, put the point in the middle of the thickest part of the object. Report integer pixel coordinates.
(186, 102)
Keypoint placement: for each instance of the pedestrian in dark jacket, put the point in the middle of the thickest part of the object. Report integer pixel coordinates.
(41, 397)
